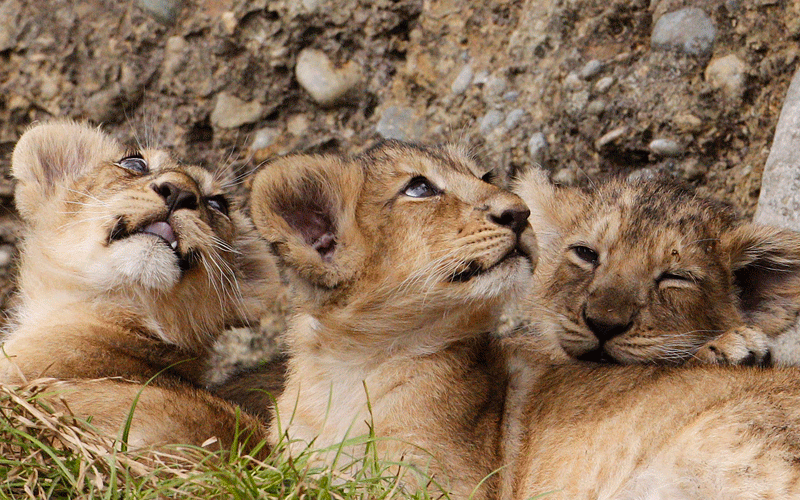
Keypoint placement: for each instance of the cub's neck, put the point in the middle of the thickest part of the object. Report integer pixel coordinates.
(448, 402)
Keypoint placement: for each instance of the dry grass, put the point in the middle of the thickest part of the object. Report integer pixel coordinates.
(47, 454)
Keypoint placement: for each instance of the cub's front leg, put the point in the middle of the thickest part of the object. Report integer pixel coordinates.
(742, 345)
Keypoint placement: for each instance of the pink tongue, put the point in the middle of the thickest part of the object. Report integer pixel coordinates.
(163, 230)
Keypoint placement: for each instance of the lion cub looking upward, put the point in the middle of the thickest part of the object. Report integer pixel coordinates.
(402, 261)
(645, 270)
(131, 265)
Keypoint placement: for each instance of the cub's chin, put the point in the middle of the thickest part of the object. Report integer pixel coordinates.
(143, 260)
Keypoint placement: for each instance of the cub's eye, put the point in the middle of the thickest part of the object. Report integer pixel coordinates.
(585, 253)
(420, 187)
(676, 279)
(134, 163)
(218, 203)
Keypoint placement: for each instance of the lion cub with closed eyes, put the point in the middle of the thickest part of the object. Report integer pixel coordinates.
(131, 265)
(402, 261)
(647, 271)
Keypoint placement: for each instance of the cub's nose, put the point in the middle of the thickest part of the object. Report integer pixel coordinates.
(175, 196)
(605, 331)
(514, 217)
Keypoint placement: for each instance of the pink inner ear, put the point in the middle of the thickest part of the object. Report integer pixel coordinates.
(316, 229)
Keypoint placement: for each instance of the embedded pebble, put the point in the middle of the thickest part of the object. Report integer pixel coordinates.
(596, 107)
(591, 69)
(462, 81)
(728, 74)
(6, 256)
(174, 55)
(490, 121)
(481, 77)
(513, 118)
(687, 122)
(264, 138)
(573, 81)
(537, 147)
(689, 30)
(565, 176)
(400, 123)
(325, 83)
(665, 147)
(229, 22)
(611, 137)
(232, 112)
(604, 84)
(494, 86)
(511, 96)
(297, 125)
(9, 28)
(163, 11)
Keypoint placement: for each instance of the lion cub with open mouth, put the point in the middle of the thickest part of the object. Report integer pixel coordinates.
(131, 265)
(647, 271)
(402, 261)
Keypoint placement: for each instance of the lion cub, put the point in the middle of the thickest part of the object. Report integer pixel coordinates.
(131, 265)
(645, 270)
(402, 261)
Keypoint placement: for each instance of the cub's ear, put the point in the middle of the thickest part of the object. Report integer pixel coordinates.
(51, 153)
(553, 208)
(305, 206)
(766, 269)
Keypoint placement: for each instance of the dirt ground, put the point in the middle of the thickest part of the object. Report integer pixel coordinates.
(581, 87)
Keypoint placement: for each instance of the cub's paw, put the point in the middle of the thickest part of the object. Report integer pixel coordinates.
(740, 346)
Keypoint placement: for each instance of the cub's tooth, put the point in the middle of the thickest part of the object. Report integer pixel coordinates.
(174, 245)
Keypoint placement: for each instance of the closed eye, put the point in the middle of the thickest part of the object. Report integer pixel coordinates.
(420, 187)
(677, 279)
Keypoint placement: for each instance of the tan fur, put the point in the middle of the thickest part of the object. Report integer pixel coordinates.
(677, 276)
(98, 297)
(385, 340)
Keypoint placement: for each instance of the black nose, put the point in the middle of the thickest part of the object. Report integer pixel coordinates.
(606, 331)
(515, 218)
(176, 197)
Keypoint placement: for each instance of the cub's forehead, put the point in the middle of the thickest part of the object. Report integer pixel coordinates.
(397, 158)
(658, 210)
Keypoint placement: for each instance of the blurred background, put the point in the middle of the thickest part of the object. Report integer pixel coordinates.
(580, 87)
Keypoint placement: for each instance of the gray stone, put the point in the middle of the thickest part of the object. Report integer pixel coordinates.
(565, 177)
(513, 118)
(264, 138)
(511, 96)
(728, 74)
(689, 30)
(10, 26)
(163, 11)
(592, 69)
(462, 81)
(596, 107)
(494, 87)
(232, 112)
(537, 147)
(573, 82)
(611, 137)
(779, 201)
(666, 147)
(326, 84)
(481, 77)
(400, 123)
(603, 84)
(490, 121)
(107, 105)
